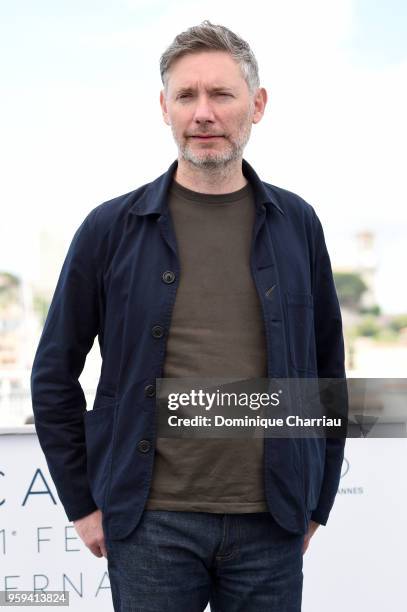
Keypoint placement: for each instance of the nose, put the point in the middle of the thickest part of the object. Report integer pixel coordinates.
(203, 110)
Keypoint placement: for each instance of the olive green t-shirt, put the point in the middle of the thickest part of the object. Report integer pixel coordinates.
(216, 330)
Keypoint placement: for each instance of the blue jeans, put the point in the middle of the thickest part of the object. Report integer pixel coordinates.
(179, 561)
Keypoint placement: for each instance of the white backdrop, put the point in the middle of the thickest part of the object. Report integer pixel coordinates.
(356, 563)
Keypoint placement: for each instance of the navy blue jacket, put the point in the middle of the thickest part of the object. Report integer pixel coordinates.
(114, 284)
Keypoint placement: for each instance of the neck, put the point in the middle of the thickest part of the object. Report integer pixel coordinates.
(223, 179)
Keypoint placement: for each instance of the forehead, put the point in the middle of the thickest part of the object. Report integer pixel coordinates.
(208, 68)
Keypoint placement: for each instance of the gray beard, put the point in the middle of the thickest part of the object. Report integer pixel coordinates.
(212, 160)
(216, 160)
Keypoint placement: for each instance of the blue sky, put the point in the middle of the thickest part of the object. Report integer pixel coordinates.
(80, 119)
(43, 35)
(379, 34)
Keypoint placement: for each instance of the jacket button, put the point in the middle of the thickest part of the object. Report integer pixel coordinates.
(168, 277)
(144, 446)
(157, 331)
(149, 390)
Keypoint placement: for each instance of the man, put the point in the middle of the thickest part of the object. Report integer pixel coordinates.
(206, 271)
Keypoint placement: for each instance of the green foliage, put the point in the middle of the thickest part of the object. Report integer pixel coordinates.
(387, 335)
(9, 289)
(398, 322)
(350, 288)
(374, 310)
(368, 326)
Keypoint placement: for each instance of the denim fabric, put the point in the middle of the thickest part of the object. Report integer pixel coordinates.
(180, 561)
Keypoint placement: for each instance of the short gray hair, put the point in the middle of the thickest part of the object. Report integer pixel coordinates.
(209, 37)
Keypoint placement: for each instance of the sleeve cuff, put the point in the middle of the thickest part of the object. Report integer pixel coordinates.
(319, 517)
(80, 512)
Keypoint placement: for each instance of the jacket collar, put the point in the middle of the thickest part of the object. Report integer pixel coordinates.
(154, 197)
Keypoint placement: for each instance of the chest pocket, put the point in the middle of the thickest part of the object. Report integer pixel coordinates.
(300, 314)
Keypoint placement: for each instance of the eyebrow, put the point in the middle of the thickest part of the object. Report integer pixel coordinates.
(183, 90)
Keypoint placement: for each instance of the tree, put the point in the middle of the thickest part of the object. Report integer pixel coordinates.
(9, 289)
(398, 322)
(350, 288)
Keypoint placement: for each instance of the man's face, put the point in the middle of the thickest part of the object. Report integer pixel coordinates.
(210, 108)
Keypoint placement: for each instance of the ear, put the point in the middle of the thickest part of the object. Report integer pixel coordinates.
(164, 110)
(260, 101)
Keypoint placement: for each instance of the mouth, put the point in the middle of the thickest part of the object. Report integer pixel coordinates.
(207, 137)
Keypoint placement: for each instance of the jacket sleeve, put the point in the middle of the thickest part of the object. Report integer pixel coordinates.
(57, 396)
(331, 365)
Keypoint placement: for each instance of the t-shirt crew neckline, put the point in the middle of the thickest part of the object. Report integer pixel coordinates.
(214, 198)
